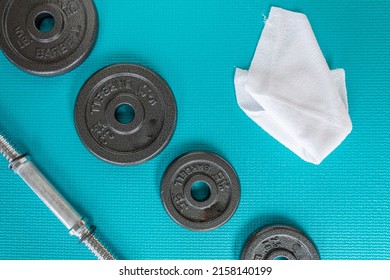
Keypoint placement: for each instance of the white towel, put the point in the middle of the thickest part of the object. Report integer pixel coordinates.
(290, 91)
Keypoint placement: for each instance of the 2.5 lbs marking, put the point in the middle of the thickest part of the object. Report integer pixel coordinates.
(23, 40)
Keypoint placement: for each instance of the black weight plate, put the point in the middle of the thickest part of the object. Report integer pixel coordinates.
(279, 242)
(223, 186)
(47, 37)
(142, 137)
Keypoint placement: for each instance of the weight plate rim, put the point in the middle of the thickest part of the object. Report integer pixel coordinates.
(59, 68)
(167, 130)
(269, 231)
(171, 209)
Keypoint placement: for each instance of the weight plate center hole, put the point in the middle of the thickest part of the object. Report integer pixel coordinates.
(44, 22)
(200, 191)
(125, 113)
(281, 258)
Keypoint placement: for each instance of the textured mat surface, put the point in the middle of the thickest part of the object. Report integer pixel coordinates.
(343, 205)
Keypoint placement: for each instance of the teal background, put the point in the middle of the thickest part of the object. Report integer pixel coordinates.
(343, 204)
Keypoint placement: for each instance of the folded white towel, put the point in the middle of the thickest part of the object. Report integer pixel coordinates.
(290, 91)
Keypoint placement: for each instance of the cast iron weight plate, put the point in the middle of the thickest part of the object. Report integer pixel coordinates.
(217, 208)
(142, 137)
(52, 49)
(276, 242)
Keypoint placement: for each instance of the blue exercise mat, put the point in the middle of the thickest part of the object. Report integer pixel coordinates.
(343, 205)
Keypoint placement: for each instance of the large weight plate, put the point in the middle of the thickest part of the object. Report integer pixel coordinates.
(279, 242)
(47, 37)
(142, 137)
(177, 186)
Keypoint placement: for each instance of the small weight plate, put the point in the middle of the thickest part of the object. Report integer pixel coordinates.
(47, 37)
(216, 174)
(141, 137)
(279, 242)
